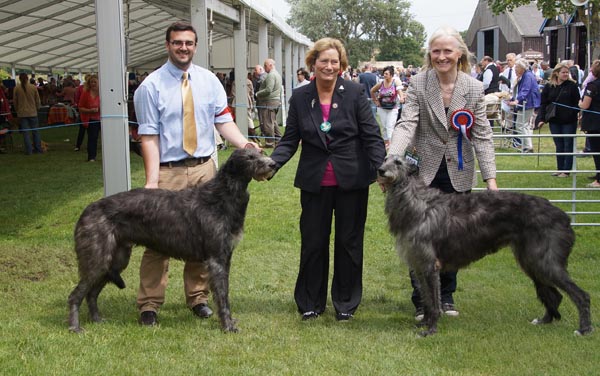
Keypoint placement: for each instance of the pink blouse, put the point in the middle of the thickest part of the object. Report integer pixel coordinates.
(329, 179)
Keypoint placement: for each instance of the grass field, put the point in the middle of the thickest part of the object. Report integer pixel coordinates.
(43, 195)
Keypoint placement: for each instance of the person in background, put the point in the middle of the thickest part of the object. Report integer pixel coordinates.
(268, 99)
(341, 151)
(67, 94)
(368, 79)
(427, 134)
(509, 73)
(251, 107)
(26, 101)
(303, 77)
(547, 71)
(387, 96)
(561, 90)
(51, 89)
(89, 111)
(171, 164)
(590, 120)
(537, 72)
(490, 76)
(573, 70)
(82, 129)
(525, 100)
(5, 114)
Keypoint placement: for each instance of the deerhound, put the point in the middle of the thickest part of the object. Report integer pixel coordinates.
(440, 232)
(202, 223)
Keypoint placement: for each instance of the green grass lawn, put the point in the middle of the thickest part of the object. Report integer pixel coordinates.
(43, 195)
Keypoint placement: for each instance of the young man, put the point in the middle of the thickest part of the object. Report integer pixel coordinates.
(177, 156)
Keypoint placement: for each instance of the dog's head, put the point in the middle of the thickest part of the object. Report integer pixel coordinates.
(395, 169)
(251, 163)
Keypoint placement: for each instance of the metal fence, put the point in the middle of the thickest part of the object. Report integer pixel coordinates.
(570, 193)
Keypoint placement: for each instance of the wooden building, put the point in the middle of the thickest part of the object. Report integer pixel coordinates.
(496, 35)
(565, 38)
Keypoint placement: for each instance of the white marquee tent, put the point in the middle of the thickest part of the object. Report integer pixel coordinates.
(112, 37)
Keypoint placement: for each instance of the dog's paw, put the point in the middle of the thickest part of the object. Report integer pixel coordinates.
(231, 329)
(76, 329)
(427, 333)
(536, 322)
(583, 332)
(97, 319)
(229, 326)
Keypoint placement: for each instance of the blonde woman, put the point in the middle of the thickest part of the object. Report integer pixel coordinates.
(425, 130)
(561, 89)
(89, 111)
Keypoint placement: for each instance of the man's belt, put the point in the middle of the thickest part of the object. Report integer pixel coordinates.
(188, 162)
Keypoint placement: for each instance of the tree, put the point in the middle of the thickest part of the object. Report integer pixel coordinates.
(368, 28)
(552, 8)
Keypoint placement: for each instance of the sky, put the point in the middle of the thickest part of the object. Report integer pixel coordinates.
(431, 13)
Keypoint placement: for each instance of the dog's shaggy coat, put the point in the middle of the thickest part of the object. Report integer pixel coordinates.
(436, 231)
(203, 223)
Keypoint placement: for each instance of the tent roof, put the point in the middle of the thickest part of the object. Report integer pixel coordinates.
(53, 34)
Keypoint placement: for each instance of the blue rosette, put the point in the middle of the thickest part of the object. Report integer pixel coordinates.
(462, 120)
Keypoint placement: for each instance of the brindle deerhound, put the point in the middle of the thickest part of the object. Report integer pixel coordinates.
(436, 231)
(203, 223)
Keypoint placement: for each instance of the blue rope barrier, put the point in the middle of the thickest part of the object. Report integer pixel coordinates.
(576, 108)
(60, 126)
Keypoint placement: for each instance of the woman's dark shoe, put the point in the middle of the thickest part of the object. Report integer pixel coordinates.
(310, 315)
(341, 316)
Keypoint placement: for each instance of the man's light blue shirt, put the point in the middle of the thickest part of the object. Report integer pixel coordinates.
(159, 109)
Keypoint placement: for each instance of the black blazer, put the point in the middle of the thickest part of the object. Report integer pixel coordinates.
(353, 145)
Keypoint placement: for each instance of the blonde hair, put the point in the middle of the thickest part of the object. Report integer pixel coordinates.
(324, 44)
(553, 81)
(88, 78)
(446, 31)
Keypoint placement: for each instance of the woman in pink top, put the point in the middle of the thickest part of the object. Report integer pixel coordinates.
(387, 96)
(341, 151)
(89, 111)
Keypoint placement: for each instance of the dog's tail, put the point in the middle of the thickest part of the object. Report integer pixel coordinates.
(115, 277)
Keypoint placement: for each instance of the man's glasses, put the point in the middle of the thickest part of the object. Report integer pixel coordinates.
(180, 43)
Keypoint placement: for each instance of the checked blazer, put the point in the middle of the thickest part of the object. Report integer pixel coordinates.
(425, 126)
(353, 145)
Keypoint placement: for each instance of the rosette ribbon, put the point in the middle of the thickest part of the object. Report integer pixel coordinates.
(462, 120)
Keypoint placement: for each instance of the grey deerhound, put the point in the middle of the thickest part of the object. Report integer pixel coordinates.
(440, 232)
(202, 223)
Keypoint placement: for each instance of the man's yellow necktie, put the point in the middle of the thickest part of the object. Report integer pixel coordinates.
(190, 140)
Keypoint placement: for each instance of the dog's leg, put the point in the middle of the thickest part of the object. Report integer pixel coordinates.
(75, 299)
(429, 282)
(550, 298)
(219, 285)
(550, 273)
(581, 299)
(92, 300)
